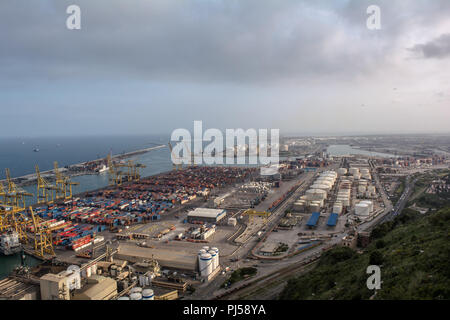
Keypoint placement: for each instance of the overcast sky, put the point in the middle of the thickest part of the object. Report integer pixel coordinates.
(150, 66)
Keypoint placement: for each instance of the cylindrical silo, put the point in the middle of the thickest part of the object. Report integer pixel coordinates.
(136, 296)
(136, 290)
(362, 209)
(205, 264)
(148, 294)
(217, 255)
(213, 260)
(337, 207)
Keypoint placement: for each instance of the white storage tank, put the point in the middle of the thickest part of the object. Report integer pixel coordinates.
(217, 256)
(362, 209)
(321, 186)
(124, 298)
(299, 206)
(353, 171)
(369, 203)
(361, 189)
(148, 294)
(337, 207)
(344, 201)
(316, 194)
(205, 264)
(371, 189)
(206, 248)
(136, 296)
(342, 171)
(314, 206)
(74, 280)
(136, 290)
(213, 261)
(356, 176)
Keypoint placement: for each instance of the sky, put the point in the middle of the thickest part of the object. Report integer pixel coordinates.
(146, 67)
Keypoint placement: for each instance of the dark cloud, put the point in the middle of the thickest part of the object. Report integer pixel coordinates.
(227, 40)
(224, 59)
(437, 48)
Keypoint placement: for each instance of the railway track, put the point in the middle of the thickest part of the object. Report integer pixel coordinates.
(274, 278)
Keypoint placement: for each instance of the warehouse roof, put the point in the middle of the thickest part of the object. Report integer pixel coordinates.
(313, 219)
(332, 220)
(166, 258)
(206, 213)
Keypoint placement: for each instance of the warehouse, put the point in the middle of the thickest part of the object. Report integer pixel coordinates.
(170, 259)
(206, 215)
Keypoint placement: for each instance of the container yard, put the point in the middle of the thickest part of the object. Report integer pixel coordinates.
(74, 223)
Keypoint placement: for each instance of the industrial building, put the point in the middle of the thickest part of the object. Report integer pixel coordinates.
(312, 222)
(97, 288)
(206, 215)
(180, 260)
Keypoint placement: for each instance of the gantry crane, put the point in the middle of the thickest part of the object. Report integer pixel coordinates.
(46, 191)
(252, 213)
(115, 176)
(133, 170)
(43, 243)
(63, 184)
(14, 219)
(3, 198)
(14, 195)
(174, 156)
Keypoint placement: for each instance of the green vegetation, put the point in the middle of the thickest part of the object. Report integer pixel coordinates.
(398, 192)
(282, 247)
(427, 200)
(413, 252)
(238, 275)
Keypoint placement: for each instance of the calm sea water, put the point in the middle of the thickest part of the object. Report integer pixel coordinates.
(8, 263)
(345, 150)
(17, 154)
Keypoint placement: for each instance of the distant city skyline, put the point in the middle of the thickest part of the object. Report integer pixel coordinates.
(149, 67)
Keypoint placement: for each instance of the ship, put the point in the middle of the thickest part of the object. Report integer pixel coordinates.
(103, 169)
(9, 243)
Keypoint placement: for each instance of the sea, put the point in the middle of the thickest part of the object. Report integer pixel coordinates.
(19, 155)
(347, 150)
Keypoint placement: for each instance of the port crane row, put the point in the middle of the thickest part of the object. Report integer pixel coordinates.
(29, 227)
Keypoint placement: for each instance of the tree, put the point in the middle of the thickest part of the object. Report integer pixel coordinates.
(376, 258)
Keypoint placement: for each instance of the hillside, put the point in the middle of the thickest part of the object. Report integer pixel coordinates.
(413, 252)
